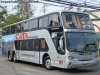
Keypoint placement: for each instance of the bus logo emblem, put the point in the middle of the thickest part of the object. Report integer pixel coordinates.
(21, 36)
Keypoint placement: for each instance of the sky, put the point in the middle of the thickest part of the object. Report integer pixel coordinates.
(39, 6)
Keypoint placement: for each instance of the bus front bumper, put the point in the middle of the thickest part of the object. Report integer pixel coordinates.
(80, 64)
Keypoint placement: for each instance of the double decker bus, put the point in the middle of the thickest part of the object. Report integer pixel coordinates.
(64, 39)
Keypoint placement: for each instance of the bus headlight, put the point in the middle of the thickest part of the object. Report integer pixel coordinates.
(72, 58)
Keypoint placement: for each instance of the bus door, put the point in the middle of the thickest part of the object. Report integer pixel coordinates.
(37, 50)
(61, 53)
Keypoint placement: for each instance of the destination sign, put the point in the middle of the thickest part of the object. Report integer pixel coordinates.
(79, 30)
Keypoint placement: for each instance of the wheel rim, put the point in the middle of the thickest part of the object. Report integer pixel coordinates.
(48, 64)
(9, 56)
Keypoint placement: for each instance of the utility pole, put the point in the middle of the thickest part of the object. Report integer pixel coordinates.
(44, 8)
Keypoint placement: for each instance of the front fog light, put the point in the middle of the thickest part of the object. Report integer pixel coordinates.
(75, 59)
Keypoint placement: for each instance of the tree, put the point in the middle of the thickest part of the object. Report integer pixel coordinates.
(3, 13)
(11, 19)
(24, 9)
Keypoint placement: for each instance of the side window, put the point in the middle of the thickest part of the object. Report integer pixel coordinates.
(4, 31)
(40, 22)
(8, 30)
(43, 45)
(12, 29)
(53, 20)
(36, 44)
(24, 45)
(45, 21)
(18, 27)
(17, 46)
(31, 44)
(33, 23)
(20, 42)
(25, 25)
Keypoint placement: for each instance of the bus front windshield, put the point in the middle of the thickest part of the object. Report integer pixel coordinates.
(77, 20)
(81, 42)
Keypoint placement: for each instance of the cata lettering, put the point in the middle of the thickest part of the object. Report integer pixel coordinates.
(21, 36)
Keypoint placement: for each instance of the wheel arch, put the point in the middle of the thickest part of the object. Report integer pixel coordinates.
(44, 56)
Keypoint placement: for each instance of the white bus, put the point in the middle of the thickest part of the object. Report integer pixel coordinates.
(63, 39)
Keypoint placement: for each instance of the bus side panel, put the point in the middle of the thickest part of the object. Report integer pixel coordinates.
(27, 56)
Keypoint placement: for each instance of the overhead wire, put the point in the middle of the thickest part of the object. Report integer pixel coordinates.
(77, 4)
(73, 3)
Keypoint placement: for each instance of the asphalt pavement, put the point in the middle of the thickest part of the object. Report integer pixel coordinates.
(24, 68)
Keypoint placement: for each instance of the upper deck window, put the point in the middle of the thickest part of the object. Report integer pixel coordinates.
(40, 22)
(45, 21)
(3, 31)
(12, 29)
(53, 20)
(25, 26)
(8, 30)
(77, 21)
(33, 23)
(18, 27)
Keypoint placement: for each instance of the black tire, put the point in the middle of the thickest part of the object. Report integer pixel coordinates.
(10, 57)
(15, 58)
(47, 63)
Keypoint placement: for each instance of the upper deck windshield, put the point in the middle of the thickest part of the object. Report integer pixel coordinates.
(81, 42)
(77, 21)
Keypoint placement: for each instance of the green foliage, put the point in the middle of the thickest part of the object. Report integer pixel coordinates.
(3, 13)
(10, 20)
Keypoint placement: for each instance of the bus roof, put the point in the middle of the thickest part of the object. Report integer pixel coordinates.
(44, 15)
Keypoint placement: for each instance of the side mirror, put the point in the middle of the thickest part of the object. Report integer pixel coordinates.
(61, 43)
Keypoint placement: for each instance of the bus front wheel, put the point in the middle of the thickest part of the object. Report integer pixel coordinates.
(47, 63)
